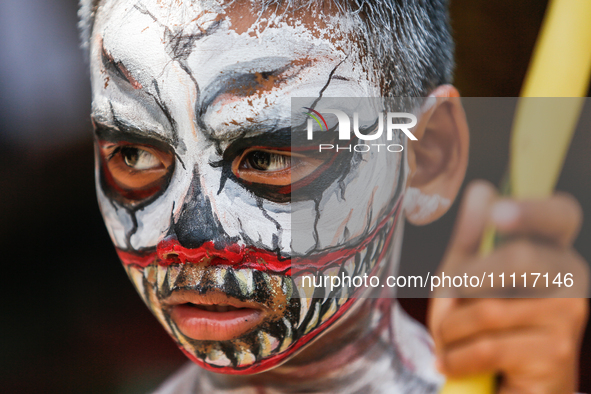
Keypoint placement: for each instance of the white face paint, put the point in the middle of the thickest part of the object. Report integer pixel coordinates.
(184, 85)
(419, 206)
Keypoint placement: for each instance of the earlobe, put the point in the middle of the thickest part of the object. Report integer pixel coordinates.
(438, 159)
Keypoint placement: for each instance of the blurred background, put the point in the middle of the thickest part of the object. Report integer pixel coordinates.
(71, 321)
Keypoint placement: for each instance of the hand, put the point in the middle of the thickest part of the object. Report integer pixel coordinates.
(531, 343)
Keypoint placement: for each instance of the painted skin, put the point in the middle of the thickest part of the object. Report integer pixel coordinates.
(183, 98)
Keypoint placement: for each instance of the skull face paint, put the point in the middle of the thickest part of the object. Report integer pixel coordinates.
(191, 107)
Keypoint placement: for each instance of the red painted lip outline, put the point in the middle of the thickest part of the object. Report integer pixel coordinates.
(277, 359)
(170, 251)
(267, 363)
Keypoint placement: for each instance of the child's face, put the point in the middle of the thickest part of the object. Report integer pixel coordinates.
(191, 105)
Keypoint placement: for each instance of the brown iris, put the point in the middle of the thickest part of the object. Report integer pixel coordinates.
(273, 167)
(135, 171)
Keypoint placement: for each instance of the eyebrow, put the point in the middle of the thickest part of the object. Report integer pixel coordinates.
(244, 84)
(122, 131)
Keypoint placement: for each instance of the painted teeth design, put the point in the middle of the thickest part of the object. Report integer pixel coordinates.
(306, 293)
(305, 304)
(150, 274)
(220, 277)
(173, 273)
(314, 320)
(161, 275)
(244, 358)
(245, 281)
(314, 311)
(137, 278)
(218, 358)
(334, 271)
(267, 344)
(287, 287)
(330, 311)
(350, 264)
(359, 266)
(288, 335)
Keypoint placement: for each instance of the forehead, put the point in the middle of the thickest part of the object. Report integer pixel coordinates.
(227, 64)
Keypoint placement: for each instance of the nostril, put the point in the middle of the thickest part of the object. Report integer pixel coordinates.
(172, 257)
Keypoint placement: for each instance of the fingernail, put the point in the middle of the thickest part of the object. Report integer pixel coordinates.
(505, 213)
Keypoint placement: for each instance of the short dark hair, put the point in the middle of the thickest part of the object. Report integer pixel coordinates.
(409, 40)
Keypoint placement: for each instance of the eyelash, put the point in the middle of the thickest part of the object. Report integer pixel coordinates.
(131, 184)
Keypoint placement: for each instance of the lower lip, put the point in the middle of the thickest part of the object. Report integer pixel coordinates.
(204, 325)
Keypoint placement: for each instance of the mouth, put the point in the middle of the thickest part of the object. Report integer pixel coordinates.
(239, 319)
(213, 317)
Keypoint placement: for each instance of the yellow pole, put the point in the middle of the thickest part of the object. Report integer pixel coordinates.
(543, 128)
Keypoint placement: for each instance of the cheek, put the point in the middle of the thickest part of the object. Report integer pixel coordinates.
(352, 207)
(139, 226)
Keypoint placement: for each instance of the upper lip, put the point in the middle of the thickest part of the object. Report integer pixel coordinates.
(212, 297)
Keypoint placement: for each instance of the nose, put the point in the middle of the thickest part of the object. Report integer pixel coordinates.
(197, 223)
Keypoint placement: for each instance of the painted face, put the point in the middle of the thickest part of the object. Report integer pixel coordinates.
(212, 213)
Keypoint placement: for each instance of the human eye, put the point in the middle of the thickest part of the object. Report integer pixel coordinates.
(135, 171)
(273, 167)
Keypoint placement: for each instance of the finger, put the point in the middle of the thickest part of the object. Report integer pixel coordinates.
(556, 219)
(484, 316)
(523, 269)
(525, 351)
(438, 309)
(470, 224)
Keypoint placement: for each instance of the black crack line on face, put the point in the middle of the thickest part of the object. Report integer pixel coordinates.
(246, 238)
(133, 228)
(164, 108)
(366, 232)
(276, 237)
(316, 220)
(388, 208)
(327, 83)
(369, 214)
(180, 46)
(226, 173)
(170, 230)
(356, 159)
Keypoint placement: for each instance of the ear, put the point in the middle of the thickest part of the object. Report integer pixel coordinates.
(438, 159)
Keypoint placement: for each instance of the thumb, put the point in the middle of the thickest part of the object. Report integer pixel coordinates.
(470, 224)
